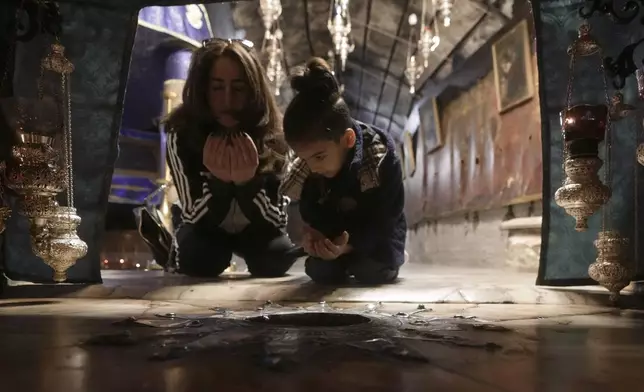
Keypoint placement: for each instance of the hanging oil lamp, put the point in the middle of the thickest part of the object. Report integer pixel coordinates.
(613, 268)
(584, 128)
(639, 77)
(640, 154)
(33, 172)
(640, 150)
(56, 241)
(585, 44)
(582, 193)
(5, 211)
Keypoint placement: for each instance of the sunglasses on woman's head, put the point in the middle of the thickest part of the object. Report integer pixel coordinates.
(244, 42)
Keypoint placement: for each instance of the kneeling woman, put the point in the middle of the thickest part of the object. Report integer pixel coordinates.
(223, 156)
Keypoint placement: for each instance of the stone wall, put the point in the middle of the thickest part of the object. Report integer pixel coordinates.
(457, 195)
(497, 238)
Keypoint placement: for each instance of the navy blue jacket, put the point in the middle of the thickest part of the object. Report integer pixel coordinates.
(366, 198)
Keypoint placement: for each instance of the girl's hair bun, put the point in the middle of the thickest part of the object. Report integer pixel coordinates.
(315, 79)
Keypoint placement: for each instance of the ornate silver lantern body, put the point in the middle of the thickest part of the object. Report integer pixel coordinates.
(584, 128)
(582, 193)
(41, 168)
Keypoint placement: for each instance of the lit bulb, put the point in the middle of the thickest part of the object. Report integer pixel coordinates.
(106, 261)
(447, 21)
(138, 265)
(413, 19)
(122, 261)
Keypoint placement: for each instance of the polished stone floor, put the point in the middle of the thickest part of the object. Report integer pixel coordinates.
(204, 345)
(417, 283)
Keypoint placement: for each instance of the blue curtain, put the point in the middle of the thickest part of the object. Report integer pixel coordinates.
(566, 254)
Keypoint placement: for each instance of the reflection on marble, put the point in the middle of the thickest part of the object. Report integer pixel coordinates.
(418, 283)
(545, 348)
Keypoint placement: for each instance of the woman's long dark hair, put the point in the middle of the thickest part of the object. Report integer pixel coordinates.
(260, 118)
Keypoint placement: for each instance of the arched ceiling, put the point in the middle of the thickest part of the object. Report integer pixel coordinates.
(375, 86)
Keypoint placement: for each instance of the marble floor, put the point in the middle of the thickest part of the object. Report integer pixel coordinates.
(417, 284)
(96, 345)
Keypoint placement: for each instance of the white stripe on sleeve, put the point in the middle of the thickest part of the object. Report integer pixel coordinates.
(275, 214)
(192, 209)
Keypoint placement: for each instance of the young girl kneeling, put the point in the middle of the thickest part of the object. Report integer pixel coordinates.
(348, 181)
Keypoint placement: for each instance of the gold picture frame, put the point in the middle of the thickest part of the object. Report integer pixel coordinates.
(410, 154)
(513, 74)
(401, 156)
(431, 125)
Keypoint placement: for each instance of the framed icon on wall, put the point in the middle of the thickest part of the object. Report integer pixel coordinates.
(409, 151)
(429, 113)
(513, 74)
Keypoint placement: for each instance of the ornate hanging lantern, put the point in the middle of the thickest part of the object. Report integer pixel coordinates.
(445, 11)
(585, 44)
(429, 40)
(639, 77)
(640, 151)
(582, 193)
(427, 43)
(339, 26)
(37, 176)
(57, 243)
(33, 171)
(613, 268)
(583, 127)
(640, 154)
(413, 70)
(270, 10)
(274, 69)
(412, 73)
(5, 211)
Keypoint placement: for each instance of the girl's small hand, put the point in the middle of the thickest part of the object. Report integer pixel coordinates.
(308, 245)
(331, 250)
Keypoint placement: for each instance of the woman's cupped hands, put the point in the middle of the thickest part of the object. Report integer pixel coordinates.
(231, 158)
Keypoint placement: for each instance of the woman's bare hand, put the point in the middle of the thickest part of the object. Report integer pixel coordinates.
(244, 158)
(216, 158)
